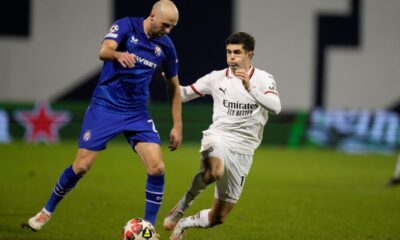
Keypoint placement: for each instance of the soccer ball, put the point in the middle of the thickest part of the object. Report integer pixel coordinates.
(139, 229)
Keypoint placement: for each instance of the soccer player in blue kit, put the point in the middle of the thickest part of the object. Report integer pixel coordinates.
(132, 50)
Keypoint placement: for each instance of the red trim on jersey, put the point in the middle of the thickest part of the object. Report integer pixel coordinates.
(195, 90)
(251, 72)
(227, 72)
(269, 91)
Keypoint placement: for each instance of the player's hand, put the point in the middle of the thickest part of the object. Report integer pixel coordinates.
(175, 138)
(241, 73)
(126, 59)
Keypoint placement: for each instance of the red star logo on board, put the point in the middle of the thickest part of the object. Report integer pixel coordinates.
(42, 124)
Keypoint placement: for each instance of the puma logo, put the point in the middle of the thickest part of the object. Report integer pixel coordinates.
(222, 90)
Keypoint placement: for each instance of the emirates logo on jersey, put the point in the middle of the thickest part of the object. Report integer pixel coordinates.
(239, 109)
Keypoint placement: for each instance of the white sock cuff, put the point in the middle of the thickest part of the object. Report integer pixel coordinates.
(199, 220)
(203, 219)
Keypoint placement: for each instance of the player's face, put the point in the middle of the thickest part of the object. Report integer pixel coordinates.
(162, 24)
(237, 57)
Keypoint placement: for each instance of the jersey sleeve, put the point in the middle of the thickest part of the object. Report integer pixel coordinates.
(119, 30)
(200, 88)
(266, 93)
(203, 85)
(171, 65)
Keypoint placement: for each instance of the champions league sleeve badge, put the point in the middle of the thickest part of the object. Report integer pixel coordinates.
(113, 28)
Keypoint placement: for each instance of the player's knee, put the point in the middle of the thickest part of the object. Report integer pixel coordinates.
(207, 178)
(80, 168)
(83, 162)
(212, 175)
(156, 169)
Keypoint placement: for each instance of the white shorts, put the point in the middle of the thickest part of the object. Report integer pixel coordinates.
(237, 166)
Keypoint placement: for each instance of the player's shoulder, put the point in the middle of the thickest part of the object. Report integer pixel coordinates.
(219, 73)
(213, 77)
(128, 23)
(126, 20)
(135, 20)
(262, 74)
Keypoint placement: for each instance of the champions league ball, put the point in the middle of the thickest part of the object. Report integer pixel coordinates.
(138, 229)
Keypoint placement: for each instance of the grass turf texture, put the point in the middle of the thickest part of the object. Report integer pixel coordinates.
(303, 194)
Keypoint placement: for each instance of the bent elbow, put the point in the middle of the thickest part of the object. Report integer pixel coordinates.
(183, 94)
(277, 110)
(102, 56)
(183, 99)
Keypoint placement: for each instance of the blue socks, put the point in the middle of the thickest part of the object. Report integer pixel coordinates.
(66, 182)
(154, 196)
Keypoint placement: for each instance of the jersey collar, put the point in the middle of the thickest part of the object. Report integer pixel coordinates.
(229, 72)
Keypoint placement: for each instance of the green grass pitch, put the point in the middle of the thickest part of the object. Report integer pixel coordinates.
(304, 194)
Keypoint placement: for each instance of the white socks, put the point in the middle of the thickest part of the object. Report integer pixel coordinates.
(200, 220)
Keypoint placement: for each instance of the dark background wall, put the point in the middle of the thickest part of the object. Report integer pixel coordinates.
(320, 52)
(199, 40)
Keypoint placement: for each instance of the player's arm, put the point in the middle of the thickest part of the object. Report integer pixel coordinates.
(265, 94)
(198, 89)
(176, 108)
(108, 51)
(267, 99)
(188, 93)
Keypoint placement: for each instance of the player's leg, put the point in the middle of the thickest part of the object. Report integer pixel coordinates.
(395, 180)
(150, 154)
(228, 189)
(69, 178)
(143, 137)
(206, 218)
(212, 169)
(84, 160)
(95, 134)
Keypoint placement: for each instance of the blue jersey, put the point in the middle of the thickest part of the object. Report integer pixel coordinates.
(126, 90)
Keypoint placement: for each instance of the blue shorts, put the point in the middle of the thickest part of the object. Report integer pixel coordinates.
(99, 127)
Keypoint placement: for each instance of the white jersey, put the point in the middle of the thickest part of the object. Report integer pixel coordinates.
(239, 115)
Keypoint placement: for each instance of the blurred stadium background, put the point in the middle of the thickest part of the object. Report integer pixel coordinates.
(336, 63)
(337, 67)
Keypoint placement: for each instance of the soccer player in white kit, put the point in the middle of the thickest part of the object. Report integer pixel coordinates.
(243, 95)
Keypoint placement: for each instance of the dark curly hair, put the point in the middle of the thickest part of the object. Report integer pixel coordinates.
(244, 38)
